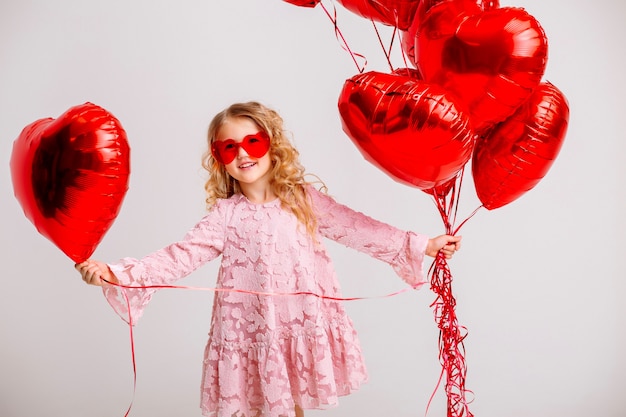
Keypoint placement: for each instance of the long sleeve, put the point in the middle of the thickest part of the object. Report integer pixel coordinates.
(404, 251)
(204, 242)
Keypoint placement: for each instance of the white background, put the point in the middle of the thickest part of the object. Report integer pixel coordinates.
(539, 282)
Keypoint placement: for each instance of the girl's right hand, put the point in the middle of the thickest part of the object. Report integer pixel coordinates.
(93, 272)
(446, 244)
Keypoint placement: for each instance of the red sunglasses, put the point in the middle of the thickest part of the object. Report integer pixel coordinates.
(255, 145)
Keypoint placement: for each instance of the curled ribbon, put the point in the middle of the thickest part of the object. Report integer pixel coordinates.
(451, 334)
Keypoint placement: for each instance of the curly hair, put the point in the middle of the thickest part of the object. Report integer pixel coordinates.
(287, 173)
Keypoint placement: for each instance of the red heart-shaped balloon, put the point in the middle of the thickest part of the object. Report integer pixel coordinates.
(398, 13)
(408, 35)
(490, 60)
(409, 129)
(518, 153)
(70, 176)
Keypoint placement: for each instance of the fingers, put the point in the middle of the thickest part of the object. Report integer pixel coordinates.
(448, 251)
(90, 271)
(455, 240)
(453, 244)
(443, 244)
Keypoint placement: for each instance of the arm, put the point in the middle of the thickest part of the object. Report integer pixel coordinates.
(201, 244)
(404, 251)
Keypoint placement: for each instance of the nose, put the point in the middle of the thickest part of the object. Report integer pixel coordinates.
(241, 152)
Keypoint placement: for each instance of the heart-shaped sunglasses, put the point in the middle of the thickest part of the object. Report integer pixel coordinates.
(255, 145)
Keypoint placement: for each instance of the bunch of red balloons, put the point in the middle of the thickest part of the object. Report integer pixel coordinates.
(475, 92)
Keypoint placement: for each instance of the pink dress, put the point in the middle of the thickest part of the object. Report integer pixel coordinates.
(267, 353)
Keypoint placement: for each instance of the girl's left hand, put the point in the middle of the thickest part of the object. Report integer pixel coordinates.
(445, 244)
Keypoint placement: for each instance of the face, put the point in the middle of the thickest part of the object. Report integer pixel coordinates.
(239, 138)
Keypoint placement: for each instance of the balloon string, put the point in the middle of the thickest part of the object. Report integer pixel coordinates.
(448, 206)
(386, 51)
(451, 337)
(457, 193)
(465, 221)
(432, 396)
(132, 352)
(282, 294)
(342, 39)
(451, 334)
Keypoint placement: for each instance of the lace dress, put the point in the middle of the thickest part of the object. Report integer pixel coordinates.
(267, 353)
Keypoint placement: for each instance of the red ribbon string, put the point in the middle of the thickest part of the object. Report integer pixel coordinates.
(342, 39)
(132, 352)
(451, 334)
(386, 50)
(274, 294)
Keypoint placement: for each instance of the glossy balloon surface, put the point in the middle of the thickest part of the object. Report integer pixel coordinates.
(519, 152)
(490, 60)
(70, 176)
(408, 35)
(409, 129)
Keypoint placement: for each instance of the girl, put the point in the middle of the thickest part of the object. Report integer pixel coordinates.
(280, 341)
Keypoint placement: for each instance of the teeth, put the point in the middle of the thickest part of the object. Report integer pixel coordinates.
(248, 165)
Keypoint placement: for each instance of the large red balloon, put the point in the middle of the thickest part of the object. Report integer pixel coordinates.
(490, 60)
(408, 36)
(409, 129)
(398, 13)
(519, 152)
(70, 176)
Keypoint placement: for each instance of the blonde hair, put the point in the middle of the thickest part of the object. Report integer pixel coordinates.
(287, 174)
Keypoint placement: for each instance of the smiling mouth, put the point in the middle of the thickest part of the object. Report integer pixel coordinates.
(247, 165)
